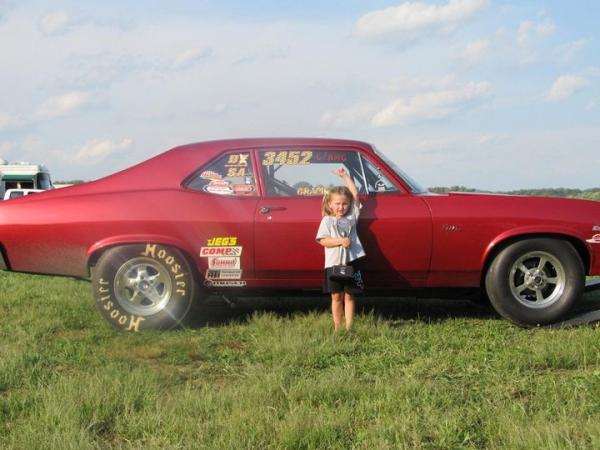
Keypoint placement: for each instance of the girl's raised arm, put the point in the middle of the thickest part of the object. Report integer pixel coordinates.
(341, 172)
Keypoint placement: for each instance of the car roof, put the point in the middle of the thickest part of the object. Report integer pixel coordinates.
(168, 169)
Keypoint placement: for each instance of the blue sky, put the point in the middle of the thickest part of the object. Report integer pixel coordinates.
(487, 94)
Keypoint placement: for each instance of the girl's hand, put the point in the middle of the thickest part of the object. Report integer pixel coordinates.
(345, 242)
(340, 172)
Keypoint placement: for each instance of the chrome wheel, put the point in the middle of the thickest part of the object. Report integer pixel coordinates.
(143, 286)
(537, 279)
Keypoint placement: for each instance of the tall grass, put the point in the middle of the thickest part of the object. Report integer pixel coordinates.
(411, 375)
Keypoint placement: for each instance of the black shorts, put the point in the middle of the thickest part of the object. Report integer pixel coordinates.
(352, 286)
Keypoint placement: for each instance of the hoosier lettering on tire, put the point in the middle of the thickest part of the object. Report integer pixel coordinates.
(143, 286)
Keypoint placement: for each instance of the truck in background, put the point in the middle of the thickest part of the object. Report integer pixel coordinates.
(23, 175)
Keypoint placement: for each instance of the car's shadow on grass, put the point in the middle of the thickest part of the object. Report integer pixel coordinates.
(218, 311)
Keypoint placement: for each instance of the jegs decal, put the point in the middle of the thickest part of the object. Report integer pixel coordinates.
(222, 241)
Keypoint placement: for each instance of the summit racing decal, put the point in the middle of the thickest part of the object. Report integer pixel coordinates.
(220, 251)
(223, 262)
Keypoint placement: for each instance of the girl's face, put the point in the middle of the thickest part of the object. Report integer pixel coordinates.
(339, 204)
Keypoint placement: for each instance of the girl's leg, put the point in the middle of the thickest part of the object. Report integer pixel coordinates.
(337, 309)
(349, 309)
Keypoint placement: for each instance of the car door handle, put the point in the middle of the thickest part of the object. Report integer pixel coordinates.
(268, 209)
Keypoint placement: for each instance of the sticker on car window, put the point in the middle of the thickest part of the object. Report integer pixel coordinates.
(221, 187)
(211, 175)
(306, 190)
(237, 165)
(289, 158)
(330, 157)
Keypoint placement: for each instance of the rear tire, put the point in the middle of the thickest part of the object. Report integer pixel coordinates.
(535, 281)
(143, 287)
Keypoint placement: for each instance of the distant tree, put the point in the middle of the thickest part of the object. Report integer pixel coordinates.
(69, 182)
(589, 194)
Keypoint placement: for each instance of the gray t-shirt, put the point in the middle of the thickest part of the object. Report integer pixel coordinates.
(332, 227)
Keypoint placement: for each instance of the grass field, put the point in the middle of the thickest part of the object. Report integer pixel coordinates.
(271, 374)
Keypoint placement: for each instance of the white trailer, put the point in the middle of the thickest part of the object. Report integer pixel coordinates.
(23, 175)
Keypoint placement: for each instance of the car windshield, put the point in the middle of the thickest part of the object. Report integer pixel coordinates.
(414, 186)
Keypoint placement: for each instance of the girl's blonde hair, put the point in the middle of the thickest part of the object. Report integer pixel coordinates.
(337, 190)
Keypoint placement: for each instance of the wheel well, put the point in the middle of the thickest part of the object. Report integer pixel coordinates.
(577, 244)
(94, 257)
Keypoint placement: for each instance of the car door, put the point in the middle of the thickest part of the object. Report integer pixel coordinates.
(223, 197)
(394, 226)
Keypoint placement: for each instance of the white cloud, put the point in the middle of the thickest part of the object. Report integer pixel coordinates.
(53, 23)
(529, 30)
(429, 106)
(476, 51)
(565, 86)
(529, 38)
(567, 52)
(8, 121)
(61, 105)
(190, 57)
(5, 147)
(99, 149)
(409, 18)
(346, 118)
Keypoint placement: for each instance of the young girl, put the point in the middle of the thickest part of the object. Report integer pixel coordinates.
(337, 233)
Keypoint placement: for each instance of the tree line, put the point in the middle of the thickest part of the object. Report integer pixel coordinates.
(588, 194)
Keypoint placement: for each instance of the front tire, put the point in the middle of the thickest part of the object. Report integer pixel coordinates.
(143, 287)
(535, 281)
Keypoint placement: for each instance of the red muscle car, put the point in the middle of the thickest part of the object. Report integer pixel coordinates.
(241, 214)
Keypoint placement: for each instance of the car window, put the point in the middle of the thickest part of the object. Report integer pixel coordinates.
(231, 174)
(376, 180)
(306, 172)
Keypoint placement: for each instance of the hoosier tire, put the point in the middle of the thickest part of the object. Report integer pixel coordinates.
(143, 287)
(535, 281)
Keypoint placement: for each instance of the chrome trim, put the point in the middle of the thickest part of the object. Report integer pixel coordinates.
(362, 168)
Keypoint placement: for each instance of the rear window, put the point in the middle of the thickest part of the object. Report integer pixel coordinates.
(231, 174)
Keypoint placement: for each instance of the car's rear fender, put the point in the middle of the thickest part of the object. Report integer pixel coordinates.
(518, 234)
(95, 251)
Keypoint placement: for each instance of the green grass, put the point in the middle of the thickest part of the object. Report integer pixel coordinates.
(272, 374)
